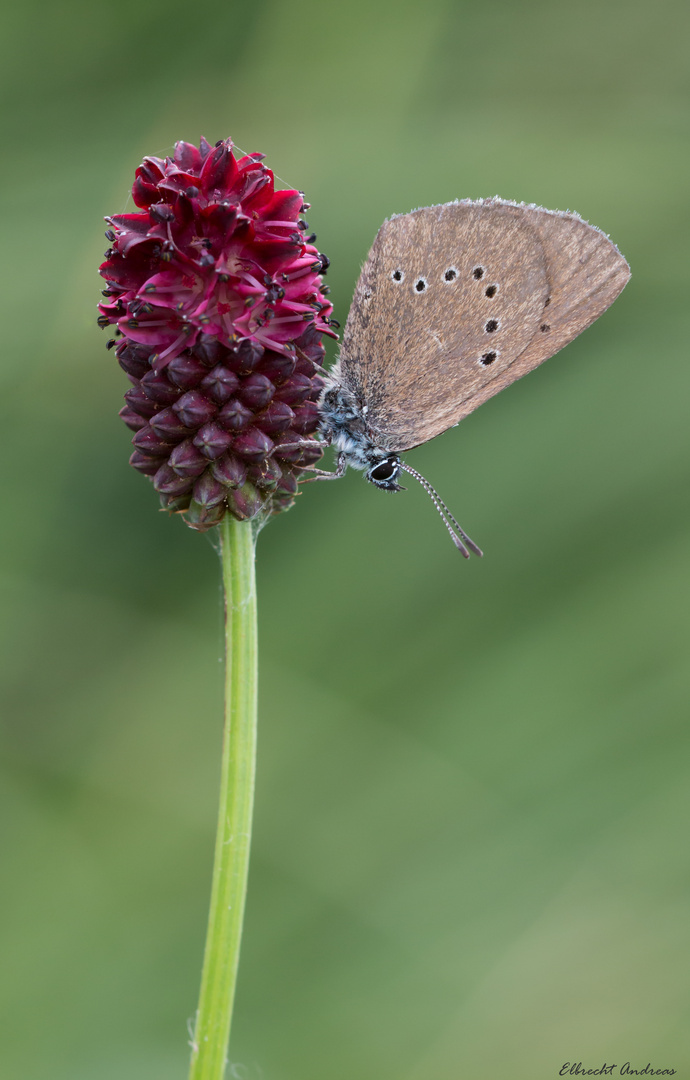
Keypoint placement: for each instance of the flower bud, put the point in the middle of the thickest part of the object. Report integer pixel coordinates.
(256, 391)
(248, 357)
(278, 368)
(230, 470)
(208, 491)
(204, 517)
(133, 421)
(149, 442)
(145, 464)
(245, 502)
(168, 425)
(139, 403)
(210, 351)
(212, 440)
(234, 416)
(176, 504)
(265, 475)
(306, 418)
(167, 482)
(194, 409)
(278, 417)
(295, 390)
(158, 388)
(253, 445)
(287, 485)
(134, 359)
(220, 383)
(187, 460)
(186, 371)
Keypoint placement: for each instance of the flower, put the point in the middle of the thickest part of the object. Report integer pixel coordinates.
(219, 306)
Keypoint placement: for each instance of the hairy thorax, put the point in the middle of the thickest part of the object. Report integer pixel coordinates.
(343, 423)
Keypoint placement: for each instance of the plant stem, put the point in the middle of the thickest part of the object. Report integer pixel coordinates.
(231, 862)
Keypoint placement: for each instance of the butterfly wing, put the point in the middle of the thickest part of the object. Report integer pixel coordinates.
(456, 302)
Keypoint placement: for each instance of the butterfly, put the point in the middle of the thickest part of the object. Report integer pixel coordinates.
(454, 303)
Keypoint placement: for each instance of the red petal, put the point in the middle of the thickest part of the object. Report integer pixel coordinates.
(187, 156)
(284, 206)
(219, 171)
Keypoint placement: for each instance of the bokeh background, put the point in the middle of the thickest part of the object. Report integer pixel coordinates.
(471, 831)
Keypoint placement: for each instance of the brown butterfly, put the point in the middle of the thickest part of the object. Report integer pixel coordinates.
(453, 304)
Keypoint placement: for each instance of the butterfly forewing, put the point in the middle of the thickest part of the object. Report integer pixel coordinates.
(455, 302)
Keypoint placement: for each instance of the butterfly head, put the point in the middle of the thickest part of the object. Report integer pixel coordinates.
(384, 474)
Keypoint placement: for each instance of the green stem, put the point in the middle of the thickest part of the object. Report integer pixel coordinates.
(231, 862)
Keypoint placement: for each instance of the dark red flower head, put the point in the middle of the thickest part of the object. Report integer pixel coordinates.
(218, 300)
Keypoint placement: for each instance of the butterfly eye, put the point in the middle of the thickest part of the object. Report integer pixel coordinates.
(450, 274)
(420, 284)
(397, 275)
(488, 358)
(384, 471)
(491, 290)
(478, 272)
(491, 325)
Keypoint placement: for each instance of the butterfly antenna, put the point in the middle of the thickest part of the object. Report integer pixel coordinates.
(457, 534)
(458, 528)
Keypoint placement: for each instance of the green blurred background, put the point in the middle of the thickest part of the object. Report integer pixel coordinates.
(470, 855)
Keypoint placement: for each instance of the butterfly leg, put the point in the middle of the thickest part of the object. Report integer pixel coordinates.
(300, 444)
(322, 474)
